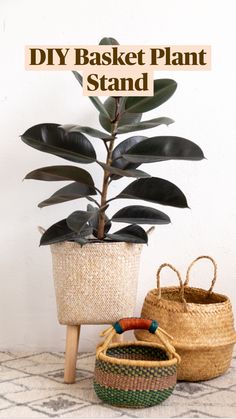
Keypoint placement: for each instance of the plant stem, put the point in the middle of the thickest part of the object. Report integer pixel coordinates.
(106, 176)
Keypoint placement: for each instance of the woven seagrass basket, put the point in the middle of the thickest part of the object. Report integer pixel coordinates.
(135, 374)
(201, 323)
(96, 283)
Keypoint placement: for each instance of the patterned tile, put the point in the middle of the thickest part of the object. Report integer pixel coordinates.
(192, 390)
(58, 405)
(9, 387)
(224, 381)
(58, 375)
(221, 399)
(82, 389)
(5, 356)
(29, 396)
(233, 390)
(17, 354)
(233, 363)
(9, 374)
(31, 385)
(20, 412)
(47, 358)
(4, 403)
(22, 364)
(86, 362)
(208, 412)
(96, 411)
(38, 382)
(37, 364)
(195, 414)
(161, 411)
(223, 412)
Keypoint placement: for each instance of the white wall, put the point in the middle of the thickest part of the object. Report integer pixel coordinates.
(203, 108)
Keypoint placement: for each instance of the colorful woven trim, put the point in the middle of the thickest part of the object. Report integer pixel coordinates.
(121, 382)
(131, 398)
(130, 370)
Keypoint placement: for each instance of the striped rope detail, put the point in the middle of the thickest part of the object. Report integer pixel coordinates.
(136, 370)
(131, 398)
(134, 382)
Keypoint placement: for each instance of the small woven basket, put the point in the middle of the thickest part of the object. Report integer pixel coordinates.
(201, 323)
(135, 374)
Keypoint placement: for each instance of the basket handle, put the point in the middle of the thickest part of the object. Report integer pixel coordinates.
(136, 323)
(214, 273)
(181, 285)
(131, 323)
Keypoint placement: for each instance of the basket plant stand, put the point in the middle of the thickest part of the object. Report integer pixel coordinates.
(91, 291)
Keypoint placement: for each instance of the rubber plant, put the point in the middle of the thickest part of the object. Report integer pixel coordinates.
(117, 115)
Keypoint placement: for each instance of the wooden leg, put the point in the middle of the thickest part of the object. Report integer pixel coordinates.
(72, 341)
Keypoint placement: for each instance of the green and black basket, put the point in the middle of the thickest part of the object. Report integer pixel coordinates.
(135, 374)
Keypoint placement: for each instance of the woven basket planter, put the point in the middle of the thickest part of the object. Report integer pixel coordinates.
(96, 283)
(200, 321)
(135, 374)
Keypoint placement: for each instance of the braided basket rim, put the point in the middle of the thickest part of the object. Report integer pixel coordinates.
(137, 363)
(70, 244)
(191, 290)
(204, 347)
(195, 347)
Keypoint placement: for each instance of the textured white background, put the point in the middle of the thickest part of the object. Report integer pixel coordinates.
(203, 108)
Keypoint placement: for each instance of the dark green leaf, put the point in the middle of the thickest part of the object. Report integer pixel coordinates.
(93, 222)
(85, 231)
(140, 214)
(61, 173)
(126, 118)
(94, 99)
(159, 191)
(79, 219)
(129, 119)
(72, 191)
(105, 123)
(130, 234)
(86, 130)
(81, 240)
(163, 148)
(151, 123)
(163, 90)
(49, 138)
(108, 41)
(58, 232)
(124, 173)
(122, 148)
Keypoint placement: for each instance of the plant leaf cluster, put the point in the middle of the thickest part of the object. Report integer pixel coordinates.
(123, 115)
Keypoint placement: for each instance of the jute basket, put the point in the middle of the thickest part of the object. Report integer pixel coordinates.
(96, 283)
(200, 321)
(135, 374)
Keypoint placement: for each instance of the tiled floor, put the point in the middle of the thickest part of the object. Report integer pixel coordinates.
(31, 386)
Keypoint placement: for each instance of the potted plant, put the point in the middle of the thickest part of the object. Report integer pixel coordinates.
(95, 269)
